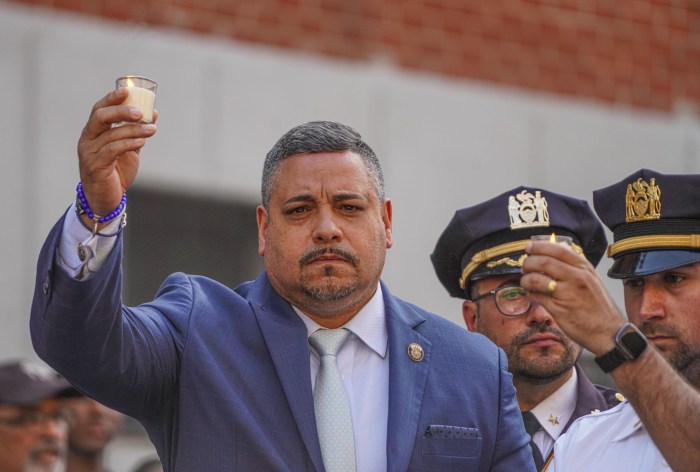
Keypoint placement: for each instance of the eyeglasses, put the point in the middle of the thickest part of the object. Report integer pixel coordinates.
(33, 419)
(510, 301)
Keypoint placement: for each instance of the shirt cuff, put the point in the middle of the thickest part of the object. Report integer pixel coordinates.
(82, 253)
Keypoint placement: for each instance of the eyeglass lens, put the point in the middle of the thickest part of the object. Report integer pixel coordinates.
(512, 301)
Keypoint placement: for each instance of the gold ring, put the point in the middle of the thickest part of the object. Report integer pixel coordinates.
(551, 287)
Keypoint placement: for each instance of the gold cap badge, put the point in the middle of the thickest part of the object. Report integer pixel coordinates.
(643, 201)
(527, 210)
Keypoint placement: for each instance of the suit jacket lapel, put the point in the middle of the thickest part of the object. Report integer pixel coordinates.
(286, 339)
(407, 380)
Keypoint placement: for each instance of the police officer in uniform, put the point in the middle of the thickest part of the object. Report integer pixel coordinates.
(478, 258)
(655, 358)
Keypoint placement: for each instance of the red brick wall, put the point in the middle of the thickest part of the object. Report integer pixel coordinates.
(638, 53)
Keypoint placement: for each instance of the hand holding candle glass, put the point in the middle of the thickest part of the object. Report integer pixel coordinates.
(566, 241)
(108, 154)
(142, 94)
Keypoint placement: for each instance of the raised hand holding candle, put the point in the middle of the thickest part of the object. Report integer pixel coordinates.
(142, 94)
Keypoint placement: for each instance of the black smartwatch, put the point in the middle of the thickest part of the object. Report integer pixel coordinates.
(630, 344)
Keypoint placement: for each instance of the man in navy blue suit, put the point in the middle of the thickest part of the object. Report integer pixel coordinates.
(224, 379)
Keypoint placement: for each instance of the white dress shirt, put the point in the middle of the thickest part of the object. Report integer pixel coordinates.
(82, 253)
(363, 361)
(553, 413)
(611, 441)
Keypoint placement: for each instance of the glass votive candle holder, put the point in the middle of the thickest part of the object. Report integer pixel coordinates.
(142, 94)
(566, 241)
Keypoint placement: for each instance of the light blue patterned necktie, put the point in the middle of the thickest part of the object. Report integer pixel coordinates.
(333, 418)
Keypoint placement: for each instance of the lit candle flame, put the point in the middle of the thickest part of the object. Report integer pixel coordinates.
(553, 238)
(129, 82)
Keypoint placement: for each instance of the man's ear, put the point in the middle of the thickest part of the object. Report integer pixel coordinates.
(387, 218)
(469, 310)
(262, 218)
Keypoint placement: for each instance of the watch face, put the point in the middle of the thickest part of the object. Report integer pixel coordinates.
(635, 342)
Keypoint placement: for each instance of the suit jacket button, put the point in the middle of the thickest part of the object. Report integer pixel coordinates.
(45, 286)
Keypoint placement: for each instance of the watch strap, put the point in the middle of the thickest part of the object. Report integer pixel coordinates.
(611, 360)
(625, 348)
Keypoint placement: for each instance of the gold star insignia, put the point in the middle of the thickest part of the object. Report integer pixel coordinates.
(595, 412)
(620, 397)
(553, 419)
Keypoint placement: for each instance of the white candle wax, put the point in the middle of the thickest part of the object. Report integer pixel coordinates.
(565, 241)
(142, 99)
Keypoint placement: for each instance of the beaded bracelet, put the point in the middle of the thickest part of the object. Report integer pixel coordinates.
(79, 211)
(83, 207)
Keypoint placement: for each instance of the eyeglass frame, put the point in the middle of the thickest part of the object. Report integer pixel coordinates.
(35, 418)
(495, 299)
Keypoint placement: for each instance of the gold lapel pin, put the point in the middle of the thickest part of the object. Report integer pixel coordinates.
(415, 352)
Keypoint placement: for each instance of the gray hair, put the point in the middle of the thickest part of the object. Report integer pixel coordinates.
(319, 137)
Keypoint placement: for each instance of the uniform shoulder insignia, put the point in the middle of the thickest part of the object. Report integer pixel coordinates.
(612, 397)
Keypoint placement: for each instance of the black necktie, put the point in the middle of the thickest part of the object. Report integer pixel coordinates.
(532, 426)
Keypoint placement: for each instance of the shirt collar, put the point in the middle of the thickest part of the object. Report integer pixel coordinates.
(368, 324)
(554, 412)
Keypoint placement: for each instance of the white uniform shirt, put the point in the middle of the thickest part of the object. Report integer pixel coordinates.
(612, 441)
(554, 413)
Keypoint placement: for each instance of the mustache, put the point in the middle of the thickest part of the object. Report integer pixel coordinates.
(318, 252)
(524, 337)
(650, 329)
(47, 445)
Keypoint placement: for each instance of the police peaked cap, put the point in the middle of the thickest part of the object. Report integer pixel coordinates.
(655, 220)
(489, 238)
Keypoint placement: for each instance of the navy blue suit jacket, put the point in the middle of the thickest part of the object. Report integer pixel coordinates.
(220, 378)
